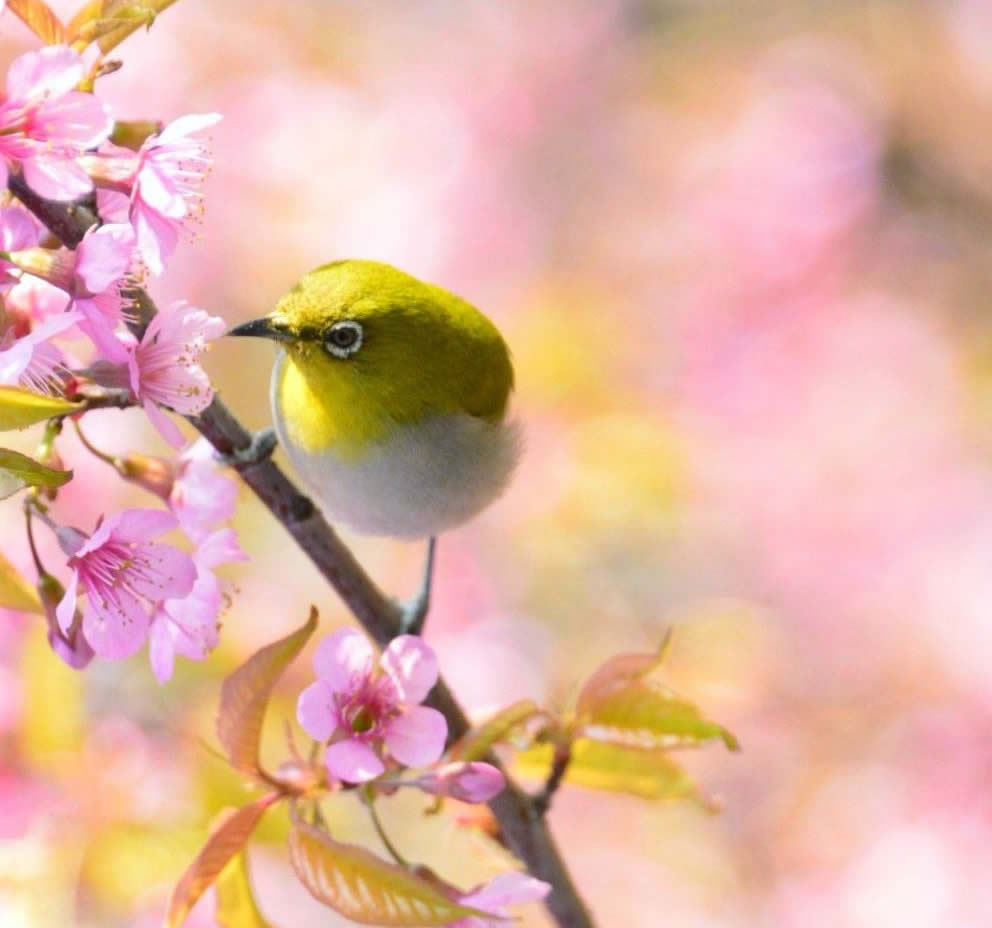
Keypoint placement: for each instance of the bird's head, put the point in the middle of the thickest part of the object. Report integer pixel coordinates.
(373, 334)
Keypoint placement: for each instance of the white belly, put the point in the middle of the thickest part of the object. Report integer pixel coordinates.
(420, 481)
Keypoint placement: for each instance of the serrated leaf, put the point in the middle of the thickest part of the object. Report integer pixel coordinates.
(18, 471)
(646, 714)
(20, 408)
(244, 696)
(475, 743)
(620, 670)
(224, 842)
(39, 18)
(353, 881)
(15, 591)
(613, 767)
(109, 22)
(236, 906)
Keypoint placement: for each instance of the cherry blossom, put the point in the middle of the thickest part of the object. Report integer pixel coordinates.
(468, 781)
(188, 625)
(161, 182)
(45, 123)
(367, 712)
(32, 361)
(202, 497)
(505, 889)
(123, 573)
(163, 367)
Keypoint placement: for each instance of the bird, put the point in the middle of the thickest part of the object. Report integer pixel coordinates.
(391, 399)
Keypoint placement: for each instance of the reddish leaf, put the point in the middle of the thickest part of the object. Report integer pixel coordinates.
(245, 694)
(225, 841)
(364, 888)
(38, 17)
(618, 671)
(475, 743)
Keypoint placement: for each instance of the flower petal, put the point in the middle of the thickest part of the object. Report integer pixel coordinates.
(136, 525)
(65, 611)
(161, 651)
(412, 666)
(507, 889)
(352, 761)
(160, 572)
(341, 656)
(55, 177)
(164, 425)
(116, 626)
(416, 738)
(316, 712)
(50, 71)
(104, 255)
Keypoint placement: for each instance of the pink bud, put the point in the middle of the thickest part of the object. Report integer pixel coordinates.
(468, 782)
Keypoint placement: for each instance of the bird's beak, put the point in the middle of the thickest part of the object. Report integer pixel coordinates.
(266, 327)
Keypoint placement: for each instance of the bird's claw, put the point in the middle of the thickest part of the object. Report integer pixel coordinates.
(262, 444)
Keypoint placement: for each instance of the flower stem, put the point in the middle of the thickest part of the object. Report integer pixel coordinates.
(380, 831)
(96, 452)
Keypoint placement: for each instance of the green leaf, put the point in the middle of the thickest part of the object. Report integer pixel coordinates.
(20, 408)
(15, 591)
(613, 767)
(244, 696)
(109, 22)
(226, 840)
(362, 887)
(619, 670)
(476, 743)
(18, 471)
(236, 906)
(38, 17)
(646, 714)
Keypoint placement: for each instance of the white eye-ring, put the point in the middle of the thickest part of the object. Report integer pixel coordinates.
(344, 338)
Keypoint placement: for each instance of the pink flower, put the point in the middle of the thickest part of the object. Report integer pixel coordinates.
(92, 275)
(506, 889)
(163, 368)
(202, 497)
(122, 573)
(45, 123)
(162, 180)
(370, 710)
(18, 230)
(32, 361)
(188, 625)
(471, 781)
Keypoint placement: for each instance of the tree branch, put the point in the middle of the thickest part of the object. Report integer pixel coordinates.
(523, 827)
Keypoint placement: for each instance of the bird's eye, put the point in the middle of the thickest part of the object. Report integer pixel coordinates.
(343, 339)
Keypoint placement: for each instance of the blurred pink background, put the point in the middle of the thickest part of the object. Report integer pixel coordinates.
(741, 253)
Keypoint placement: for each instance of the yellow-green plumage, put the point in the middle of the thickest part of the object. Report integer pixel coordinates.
(404, 431)
(426, 352)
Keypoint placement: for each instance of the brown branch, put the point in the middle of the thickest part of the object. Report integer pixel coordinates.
(520, 817)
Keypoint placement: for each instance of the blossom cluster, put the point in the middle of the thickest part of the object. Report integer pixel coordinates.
(57, 138)
(66, 319)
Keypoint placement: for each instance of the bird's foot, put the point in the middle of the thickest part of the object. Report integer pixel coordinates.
(413, 613)
(262, 444)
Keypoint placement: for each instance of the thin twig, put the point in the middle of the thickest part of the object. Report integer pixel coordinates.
(559, 766)
(523, 828)
(381, 832)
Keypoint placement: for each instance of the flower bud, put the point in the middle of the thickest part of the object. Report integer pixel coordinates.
(157, 475)
(131, 133)
(469, 782)
(54, 265)
(71, 647)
